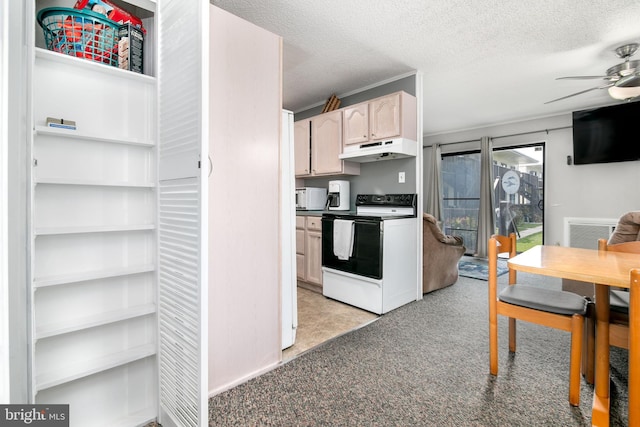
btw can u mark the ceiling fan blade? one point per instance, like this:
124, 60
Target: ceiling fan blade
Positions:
580, 93
583, 77
632, 80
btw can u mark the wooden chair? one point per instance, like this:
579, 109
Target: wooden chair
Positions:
546, 307
618, 315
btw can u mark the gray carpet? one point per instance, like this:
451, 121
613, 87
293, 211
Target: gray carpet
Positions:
424, 364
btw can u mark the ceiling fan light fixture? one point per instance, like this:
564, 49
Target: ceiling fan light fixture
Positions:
624, 93
623, 80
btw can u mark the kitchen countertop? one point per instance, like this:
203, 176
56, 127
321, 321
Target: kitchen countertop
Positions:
319, 213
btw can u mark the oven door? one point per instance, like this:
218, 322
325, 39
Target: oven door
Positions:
366, 259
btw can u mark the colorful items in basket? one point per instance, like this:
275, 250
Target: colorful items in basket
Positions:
111, 11
95, 30
80, 33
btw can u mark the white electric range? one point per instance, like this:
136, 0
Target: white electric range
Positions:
369, 260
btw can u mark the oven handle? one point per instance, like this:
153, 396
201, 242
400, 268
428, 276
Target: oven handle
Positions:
355, 219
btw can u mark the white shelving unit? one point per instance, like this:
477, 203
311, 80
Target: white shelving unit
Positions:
127, 306
93, 234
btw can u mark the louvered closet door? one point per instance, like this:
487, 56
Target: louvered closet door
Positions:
182, 204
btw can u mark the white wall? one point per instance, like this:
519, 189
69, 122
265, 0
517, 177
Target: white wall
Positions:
588, 191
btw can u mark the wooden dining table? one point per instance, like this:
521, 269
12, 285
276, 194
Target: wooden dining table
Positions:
605, 269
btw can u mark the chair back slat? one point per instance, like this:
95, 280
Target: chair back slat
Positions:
505, 244
628, 247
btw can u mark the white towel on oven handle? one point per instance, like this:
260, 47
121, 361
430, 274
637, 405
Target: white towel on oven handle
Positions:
343, 235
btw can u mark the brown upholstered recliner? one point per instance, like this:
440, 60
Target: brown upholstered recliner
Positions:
627, 230
441, 254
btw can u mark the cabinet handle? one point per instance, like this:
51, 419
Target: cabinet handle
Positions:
210, 166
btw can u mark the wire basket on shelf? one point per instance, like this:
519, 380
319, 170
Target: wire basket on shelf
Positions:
80, 33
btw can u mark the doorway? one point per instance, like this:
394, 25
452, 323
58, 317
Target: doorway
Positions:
518, 193
460, 174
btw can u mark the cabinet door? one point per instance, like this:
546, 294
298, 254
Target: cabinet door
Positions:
326, 141
356, 124
313, 257
302, 148
385, 117
300, 242
300, 248
314, 223
183, 209
300, 267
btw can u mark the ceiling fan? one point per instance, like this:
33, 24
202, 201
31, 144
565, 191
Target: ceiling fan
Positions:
623, 80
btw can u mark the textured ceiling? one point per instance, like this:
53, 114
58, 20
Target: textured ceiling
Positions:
483, 61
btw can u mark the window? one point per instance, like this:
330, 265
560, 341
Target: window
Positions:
518, 208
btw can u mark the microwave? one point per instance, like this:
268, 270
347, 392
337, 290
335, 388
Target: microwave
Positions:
311, 198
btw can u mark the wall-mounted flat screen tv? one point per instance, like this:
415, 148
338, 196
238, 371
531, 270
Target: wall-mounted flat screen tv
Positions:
607, 134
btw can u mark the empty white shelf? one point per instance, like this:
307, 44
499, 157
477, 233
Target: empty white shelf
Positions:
41, 282
48, 231
90, 367
136, 419
73, 325
56, 181
47, 55
76, 134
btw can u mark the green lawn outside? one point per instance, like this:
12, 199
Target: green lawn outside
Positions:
528, 242
527, 225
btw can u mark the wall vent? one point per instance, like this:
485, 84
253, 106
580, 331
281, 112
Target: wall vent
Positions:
585, 232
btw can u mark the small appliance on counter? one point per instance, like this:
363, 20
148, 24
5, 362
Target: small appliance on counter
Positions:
338, 198
311, 198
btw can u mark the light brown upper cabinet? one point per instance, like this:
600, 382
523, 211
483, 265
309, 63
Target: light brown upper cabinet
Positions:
324, 145
356, 124
302, 147
389, 116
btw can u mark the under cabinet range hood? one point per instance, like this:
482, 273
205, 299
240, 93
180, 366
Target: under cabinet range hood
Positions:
387, 149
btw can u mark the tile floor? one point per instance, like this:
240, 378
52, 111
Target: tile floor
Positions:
320, 319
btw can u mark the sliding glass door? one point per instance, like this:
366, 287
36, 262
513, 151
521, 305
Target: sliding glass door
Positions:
518, 189
461, 196
519, 193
